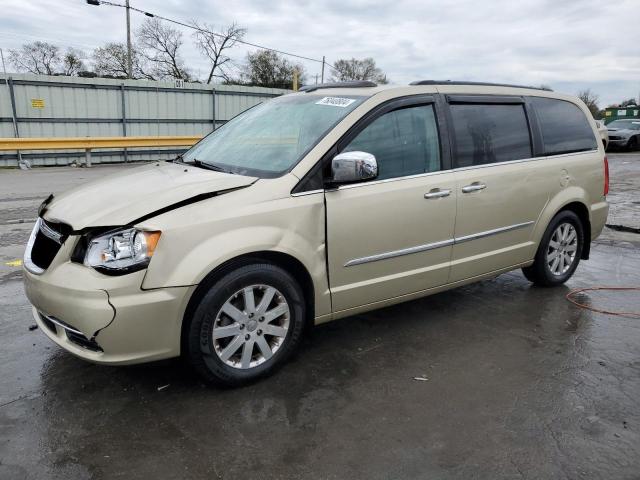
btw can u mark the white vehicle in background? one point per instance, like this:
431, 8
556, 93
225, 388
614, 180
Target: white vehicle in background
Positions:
604, 133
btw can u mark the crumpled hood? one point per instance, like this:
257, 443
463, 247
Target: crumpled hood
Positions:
121, 198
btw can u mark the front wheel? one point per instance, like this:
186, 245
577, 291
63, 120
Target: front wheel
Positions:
559, 252
632, 144
247, 325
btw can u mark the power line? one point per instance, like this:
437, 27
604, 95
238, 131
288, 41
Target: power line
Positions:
203, 30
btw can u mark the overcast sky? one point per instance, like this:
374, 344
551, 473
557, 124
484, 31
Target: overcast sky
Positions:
568, 44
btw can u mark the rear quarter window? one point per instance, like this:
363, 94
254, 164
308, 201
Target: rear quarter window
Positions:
563, 126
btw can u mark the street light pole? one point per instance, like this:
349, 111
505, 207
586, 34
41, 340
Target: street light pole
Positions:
129, 61
128, 8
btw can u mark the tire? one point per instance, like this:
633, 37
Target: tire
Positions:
632, 144
544, 271
240, 326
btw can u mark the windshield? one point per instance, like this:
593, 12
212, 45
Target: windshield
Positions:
625, 124
269, 139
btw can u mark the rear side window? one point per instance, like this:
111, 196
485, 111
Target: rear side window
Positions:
404, 142
490, 133
564, 126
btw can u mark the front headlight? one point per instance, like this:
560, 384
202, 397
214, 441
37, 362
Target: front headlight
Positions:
121, 251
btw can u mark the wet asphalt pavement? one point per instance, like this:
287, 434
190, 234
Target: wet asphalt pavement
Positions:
517, 382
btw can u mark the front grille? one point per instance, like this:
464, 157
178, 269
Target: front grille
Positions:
47, 238
44, 251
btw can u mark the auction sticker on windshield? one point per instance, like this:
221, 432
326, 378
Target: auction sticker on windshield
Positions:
336, 101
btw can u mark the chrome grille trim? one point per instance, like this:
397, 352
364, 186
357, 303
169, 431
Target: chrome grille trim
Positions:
47, 231
61, 324
28, 263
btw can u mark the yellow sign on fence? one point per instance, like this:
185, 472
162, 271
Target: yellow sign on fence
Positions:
37, 103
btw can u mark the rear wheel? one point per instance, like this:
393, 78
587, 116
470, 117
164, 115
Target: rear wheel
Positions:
633, 143
247, 325
559, 252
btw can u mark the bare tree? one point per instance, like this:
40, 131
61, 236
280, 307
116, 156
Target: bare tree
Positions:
266, 68
355, 69
72, 62
41, 58
160, 44
591, 100
213, 46
111, 61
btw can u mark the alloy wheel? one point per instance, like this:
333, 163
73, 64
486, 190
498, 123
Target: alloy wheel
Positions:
251, 326
561, 252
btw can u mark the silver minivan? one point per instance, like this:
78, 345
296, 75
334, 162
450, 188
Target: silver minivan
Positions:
317, 205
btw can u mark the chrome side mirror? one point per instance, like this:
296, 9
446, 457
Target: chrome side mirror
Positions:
348, 167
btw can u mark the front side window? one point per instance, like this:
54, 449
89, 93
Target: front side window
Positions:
564, 127
271, 138
404, 142
490, 133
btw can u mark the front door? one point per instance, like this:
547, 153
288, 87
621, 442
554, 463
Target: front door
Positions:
392, 236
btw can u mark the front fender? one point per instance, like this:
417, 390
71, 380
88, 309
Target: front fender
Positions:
295, 226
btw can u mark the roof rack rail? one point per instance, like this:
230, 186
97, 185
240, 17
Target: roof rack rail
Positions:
485, 84
350, 84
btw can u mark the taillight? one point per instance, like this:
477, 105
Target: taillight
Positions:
606, 176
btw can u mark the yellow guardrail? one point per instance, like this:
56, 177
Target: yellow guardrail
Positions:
89, 143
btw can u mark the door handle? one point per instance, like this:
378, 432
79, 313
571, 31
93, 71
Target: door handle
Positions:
437, 193
474, 187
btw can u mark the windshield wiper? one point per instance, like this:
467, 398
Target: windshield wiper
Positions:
178, 159
210, 166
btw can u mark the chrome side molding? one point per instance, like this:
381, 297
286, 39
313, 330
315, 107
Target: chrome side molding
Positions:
432, 246
399, 253
488, 233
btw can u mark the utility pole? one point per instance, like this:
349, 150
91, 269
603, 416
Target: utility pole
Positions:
14, 120
322, 76
129, 61
127, 8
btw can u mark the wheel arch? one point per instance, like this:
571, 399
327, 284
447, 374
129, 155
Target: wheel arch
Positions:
581, 210
283, 260
575, 205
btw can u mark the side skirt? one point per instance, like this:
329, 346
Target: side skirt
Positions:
415, 295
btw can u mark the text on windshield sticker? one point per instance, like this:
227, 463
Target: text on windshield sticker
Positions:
335, 101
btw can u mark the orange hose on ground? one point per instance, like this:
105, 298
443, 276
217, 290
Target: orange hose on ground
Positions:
607, 312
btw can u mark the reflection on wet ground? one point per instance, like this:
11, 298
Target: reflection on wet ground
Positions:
520, 382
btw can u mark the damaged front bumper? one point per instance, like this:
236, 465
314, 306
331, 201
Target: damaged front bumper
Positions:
103, 319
